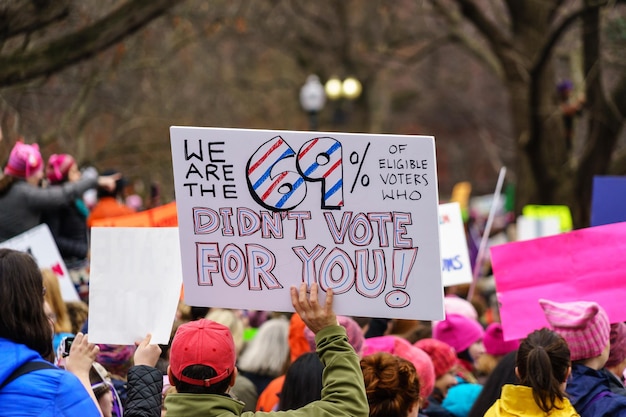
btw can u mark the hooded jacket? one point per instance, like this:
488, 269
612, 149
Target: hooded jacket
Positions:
518, 401
590, 393
41, 393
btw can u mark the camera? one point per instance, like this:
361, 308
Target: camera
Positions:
67, 344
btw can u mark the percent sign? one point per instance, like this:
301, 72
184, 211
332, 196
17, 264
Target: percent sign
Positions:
354, 159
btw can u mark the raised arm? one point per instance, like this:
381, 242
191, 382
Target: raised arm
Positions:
343, 389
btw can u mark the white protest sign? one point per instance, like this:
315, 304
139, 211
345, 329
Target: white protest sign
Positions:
135, 284
260, 211
536, 227
455, 262
40, 243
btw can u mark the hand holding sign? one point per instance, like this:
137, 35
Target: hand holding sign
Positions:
313, 315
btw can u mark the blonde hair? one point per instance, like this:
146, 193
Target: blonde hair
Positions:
229, 319
78, 312
62, 323
268, 352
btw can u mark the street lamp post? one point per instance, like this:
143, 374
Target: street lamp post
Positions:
338, 91
312, 99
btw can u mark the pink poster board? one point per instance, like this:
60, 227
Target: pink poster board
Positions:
586, 264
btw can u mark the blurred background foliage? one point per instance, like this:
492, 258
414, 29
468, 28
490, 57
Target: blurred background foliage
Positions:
104, 80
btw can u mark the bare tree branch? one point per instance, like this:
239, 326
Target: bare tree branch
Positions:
19, 17
82, 44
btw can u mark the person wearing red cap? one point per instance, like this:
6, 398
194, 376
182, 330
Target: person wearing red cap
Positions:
585, 327
202, 366
23, 201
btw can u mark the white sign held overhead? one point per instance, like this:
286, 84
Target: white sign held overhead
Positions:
135, 284
260, 211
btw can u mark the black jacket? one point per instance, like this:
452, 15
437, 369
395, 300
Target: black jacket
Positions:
145, 385
69, 228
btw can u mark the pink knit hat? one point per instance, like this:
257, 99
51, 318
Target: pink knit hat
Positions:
402, 348
442, 354
494, 341
618, 344
24, 161
458, 331
583, 324
58, 167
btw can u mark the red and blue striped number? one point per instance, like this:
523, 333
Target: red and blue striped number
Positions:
273, 179
321, 159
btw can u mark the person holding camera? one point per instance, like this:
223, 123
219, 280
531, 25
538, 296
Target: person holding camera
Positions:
29, 384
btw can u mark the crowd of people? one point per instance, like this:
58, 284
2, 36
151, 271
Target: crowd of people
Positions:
222, 362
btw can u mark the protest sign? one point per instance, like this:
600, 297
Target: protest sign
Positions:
586, 264
608, 202
455, 263
535, 227
536, 211
135, 282
162, 216
260, 211
40, 243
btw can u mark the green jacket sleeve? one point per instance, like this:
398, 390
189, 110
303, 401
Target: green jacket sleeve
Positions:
343, 392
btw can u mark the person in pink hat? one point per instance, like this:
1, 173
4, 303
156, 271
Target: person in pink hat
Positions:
68, 222
495, 349
465, 335
445, 364
21, 198
585, 327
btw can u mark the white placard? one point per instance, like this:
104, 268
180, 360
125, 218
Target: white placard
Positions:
40, 243
536, 227
260, 211
455, 263
135, 284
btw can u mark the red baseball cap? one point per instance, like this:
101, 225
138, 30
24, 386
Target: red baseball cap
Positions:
203, 342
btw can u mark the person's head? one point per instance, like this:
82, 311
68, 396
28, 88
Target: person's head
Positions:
303, 382
267, 353
444, 361
78, 311
391, 384
101, 385
353, 330
585, 327
202, 358
400, 347
22, 316
25, 162
543, 364
464, 334
53, 296
495, 348
617, 352
61, 168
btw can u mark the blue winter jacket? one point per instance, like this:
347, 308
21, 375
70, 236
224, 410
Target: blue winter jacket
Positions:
41, 393
589, 392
